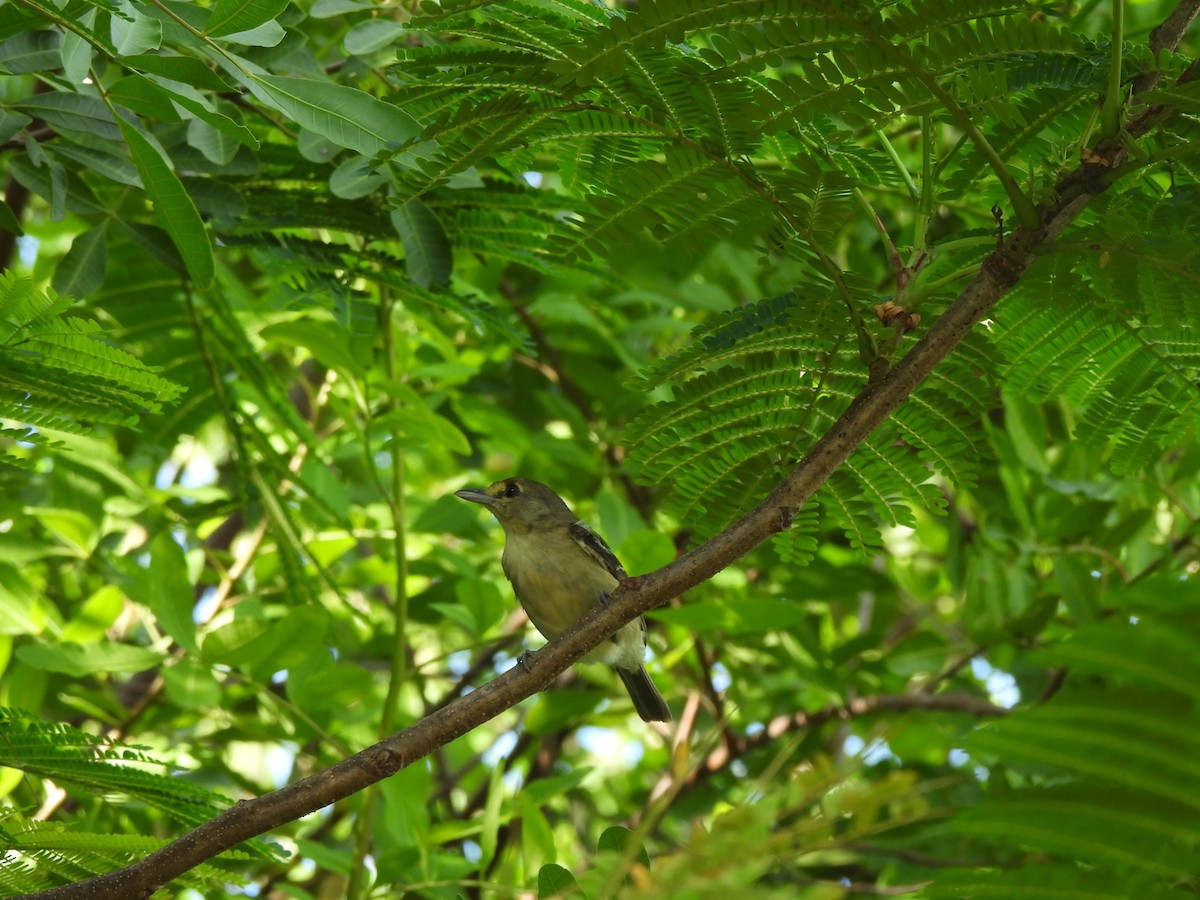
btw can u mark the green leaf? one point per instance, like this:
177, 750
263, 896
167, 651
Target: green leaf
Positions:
76, 113
234, 643
217, 146
216, 199
1136, 740
1025, 427
1080, 590
546, 789
918, 653
220, 122
318, 683
144, 97
76, 51
537, 838
80, 660
644, 550
329, 858
371, 35
616, 839
347, 116
11, 124
163, 586
758, 616
996, 595
95, 616
8, 221
81, 271
326, 9
354, 178
191, 685
79, 377
74, 528
101, 765
1044, 882
324, 340
481, 600
555, 881
103, 159
703, 616
268, 34
30, 51
183, 69
316, 148
235, 16
459, 615
427, 252
263, 648
21, 607
490, 825
406, 812
1090, 824
414, 418
746, 617
1150, 653
135, 34
175, 209
52, 181
323, 483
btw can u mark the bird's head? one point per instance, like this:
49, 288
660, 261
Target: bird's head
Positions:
521, 505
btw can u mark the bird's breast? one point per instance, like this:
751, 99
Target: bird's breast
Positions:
555, 581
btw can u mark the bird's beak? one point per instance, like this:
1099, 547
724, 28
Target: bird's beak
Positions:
475, 495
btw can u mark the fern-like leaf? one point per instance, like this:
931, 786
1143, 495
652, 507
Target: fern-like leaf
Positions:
58, 372
1117, 332
760, 385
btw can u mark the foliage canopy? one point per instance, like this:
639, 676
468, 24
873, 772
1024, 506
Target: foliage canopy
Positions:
293, 272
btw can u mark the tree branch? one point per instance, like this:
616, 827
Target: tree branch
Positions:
1167, 37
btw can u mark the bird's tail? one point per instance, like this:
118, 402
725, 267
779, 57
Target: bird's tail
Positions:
648, 702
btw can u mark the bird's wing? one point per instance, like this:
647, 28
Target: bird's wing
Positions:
593, 545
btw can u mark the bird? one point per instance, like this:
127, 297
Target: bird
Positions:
559, 569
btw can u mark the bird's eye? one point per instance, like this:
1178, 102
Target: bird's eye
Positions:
512, 490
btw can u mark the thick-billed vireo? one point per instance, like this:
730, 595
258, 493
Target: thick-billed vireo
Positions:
559, 569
